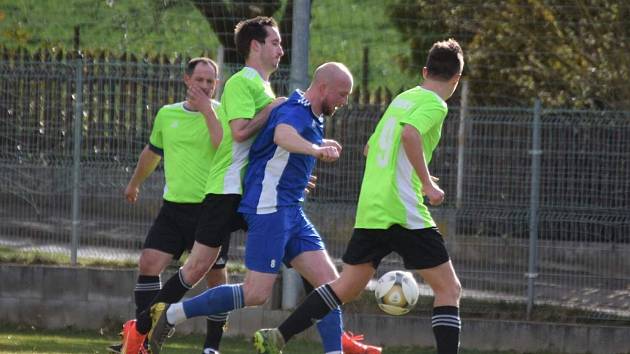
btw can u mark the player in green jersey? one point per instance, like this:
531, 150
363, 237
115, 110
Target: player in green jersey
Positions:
391, 214
185, 135
246, 102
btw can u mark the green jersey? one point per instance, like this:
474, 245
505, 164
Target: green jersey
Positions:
182, 136
391, 192
244, 95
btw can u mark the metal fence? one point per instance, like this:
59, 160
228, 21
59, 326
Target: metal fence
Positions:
71, 130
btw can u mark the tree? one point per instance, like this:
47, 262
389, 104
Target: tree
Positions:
223, 15
568, 53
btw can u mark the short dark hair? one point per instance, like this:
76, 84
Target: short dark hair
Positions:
251, 29
192, 64
445, 60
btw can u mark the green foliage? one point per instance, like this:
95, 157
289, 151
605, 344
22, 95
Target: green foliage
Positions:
569, 54
341, 29
137, 26
12, 255
174, 27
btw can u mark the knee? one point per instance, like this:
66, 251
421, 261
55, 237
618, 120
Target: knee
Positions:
451, 293
148, 265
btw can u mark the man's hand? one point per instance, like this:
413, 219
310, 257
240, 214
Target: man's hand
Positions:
312, 182
333, 143
131, 193
433, 192
326, 153
198, 99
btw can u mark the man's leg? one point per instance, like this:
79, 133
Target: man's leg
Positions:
163, 244
255, 290
327, 297
175, 288
318, 269
350, 342
215, 324
425, 251
446, 321
151, 264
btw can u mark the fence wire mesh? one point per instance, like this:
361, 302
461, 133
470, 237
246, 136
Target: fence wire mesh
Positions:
584, 200
584, 211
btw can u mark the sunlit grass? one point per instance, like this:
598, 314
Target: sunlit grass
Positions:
21, 340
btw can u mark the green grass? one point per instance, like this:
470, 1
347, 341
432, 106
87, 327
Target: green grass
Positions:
20, 340
18, 256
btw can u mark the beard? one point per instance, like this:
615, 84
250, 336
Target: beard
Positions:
328, 109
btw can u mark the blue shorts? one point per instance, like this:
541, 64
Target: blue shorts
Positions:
278, 237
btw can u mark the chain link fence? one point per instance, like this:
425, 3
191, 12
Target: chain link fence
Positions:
71, 129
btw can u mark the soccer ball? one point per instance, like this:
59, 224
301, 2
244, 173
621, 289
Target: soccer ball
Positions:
396, 292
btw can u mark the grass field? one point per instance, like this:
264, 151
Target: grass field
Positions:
28, 340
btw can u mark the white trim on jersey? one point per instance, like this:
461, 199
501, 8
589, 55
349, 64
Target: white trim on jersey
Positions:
232, 180
274, 169
407, 194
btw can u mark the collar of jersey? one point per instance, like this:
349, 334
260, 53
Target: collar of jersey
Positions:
306, 103
253, 72
187, 110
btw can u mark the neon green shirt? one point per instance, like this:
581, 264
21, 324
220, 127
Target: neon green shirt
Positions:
391, 192
244, 95
183, 137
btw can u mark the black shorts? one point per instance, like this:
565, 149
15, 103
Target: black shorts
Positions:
419, 249
174, 229
219, 218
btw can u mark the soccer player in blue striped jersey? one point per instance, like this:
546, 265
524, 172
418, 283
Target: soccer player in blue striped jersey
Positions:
281, 160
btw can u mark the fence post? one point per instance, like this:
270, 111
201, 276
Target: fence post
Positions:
221, 73
534, 203
461, 142
291, 281
76, 159
299, 45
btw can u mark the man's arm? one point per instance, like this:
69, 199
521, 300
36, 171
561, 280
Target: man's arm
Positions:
412, 143
202, 103
289, 139
243, 129
147, 163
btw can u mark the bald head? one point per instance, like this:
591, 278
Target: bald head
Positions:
330, 88
332, 73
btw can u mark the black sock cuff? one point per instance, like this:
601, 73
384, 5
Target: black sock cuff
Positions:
328, 295
446, 310
181, 279
446, 317
148, 283
219, 317
148, 278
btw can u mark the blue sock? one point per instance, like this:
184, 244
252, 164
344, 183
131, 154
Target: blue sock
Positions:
330, 330
223, 298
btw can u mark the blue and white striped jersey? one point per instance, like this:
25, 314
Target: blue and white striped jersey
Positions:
276, 178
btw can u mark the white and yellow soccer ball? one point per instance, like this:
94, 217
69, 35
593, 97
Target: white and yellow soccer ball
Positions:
396, 292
